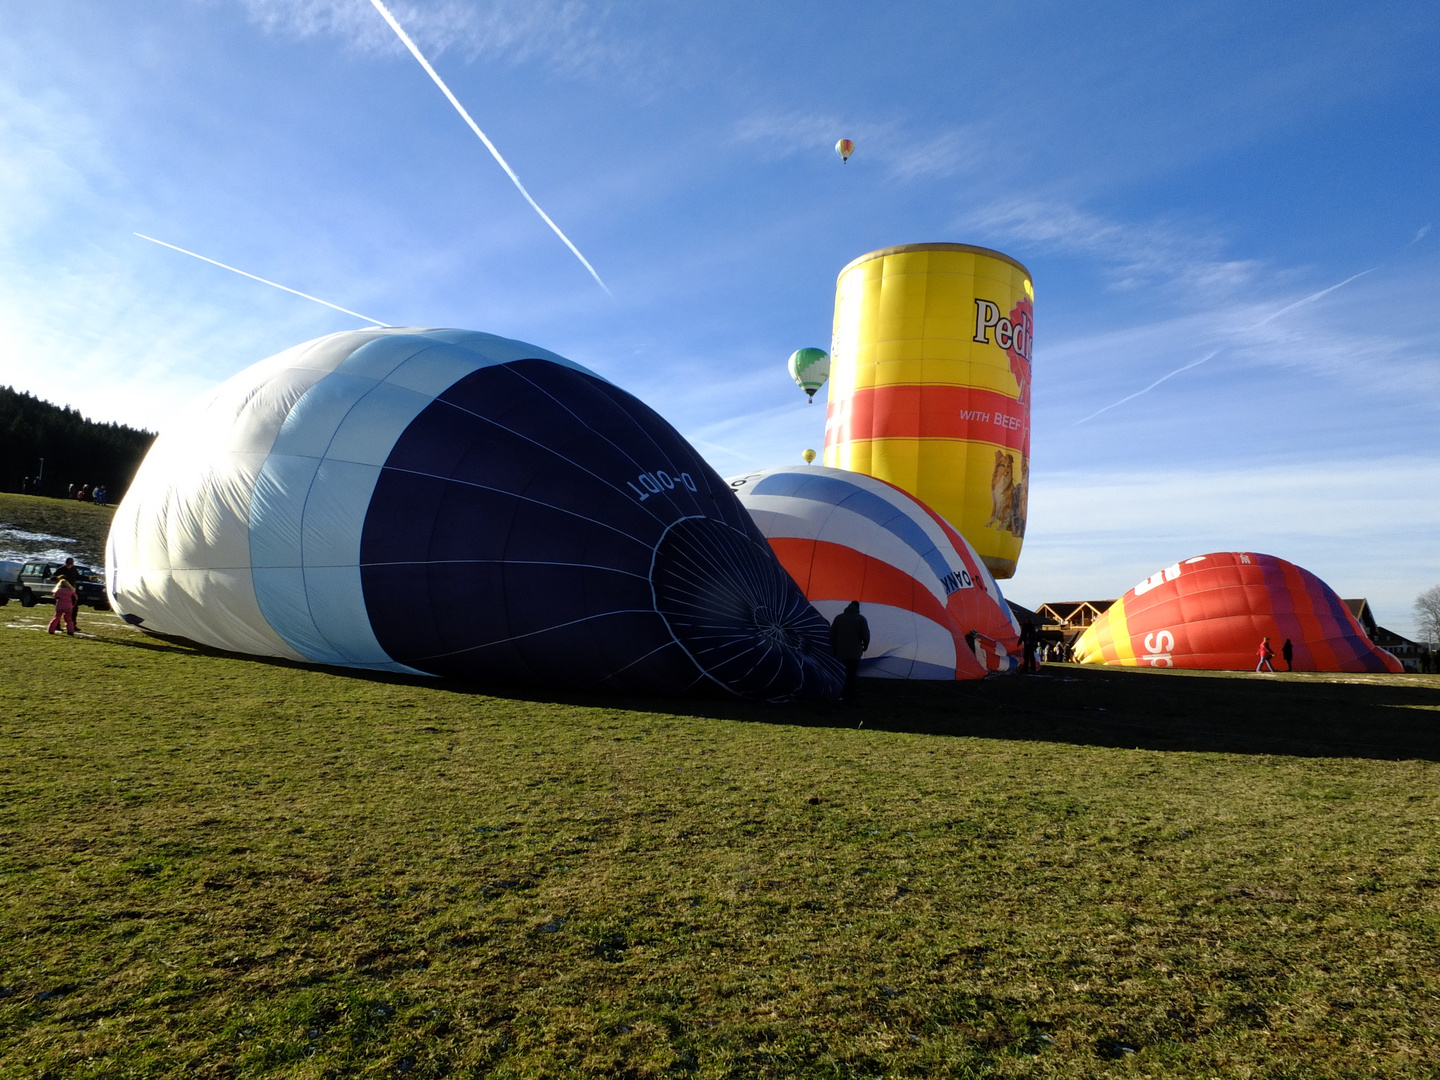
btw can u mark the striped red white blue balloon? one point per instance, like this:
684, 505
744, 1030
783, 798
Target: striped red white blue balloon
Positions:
844, 536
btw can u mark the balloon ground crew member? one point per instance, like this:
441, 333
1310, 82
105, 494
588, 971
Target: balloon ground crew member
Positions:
850, 637
1265, 652
1029, 638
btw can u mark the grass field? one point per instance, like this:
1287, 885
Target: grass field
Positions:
218, 866
85, 523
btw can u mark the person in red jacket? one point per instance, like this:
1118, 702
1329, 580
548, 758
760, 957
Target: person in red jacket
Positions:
66, 601
1265, 652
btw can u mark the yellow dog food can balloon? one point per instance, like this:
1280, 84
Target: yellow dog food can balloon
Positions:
930, 385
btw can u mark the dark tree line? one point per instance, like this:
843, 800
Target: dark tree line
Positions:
76, 451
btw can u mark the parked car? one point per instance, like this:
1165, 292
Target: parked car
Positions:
9, 580
36, 582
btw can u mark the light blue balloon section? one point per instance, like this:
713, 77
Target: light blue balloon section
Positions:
309, 503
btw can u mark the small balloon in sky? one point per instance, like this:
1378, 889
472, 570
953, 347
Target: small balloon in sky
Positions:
845, 147
809, 456
809, 368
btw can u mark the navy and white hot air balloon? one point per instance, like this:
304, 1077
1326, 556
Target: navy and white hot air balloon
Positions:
845, 536
458, 504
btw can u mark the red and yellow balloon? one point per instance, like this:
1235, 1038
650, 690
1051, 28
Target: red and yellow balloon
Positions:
1213, 610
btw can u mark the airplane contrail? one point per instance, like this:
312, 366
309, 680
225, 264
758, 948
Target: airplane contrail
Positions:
415, 52
1311, 298
1419, 236
1254, 326
1157, 382
265, 281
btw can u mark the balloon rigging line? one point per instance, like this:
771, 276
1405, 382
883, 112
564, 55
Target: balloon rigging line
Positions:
415, 52
1211, 355
265, 281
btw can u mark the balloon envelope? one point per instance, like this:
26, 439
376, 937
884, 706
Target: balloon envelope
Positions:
809, 368
930, 385
844, 536
458, 504
1211, 612
845, 147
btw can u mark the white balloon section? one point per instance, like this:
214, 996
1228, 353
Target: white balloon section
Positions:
463, 505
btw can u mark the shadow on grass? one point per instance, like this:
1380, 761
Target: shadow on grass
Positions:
1306, 714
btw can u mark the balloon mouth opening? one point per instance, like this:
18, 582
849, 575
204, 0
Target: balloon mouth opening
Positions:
739, 616
770, 628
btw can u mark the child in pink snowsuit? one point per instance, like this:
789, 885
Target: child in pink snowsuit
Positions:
66, 601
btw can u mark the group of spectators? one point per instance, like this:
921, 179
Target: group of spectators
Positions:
92, 493
85, 493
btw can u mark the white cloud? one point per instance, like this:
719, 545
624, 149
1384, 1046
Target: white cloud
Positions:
950, 153
564, 33
1136, 256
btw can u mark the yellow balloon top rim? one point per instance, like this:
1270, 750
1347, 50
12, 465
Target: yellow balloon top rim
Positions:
938, 246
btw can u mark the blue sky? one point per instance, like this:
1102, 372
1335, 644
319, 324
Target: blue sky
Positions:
1182, 180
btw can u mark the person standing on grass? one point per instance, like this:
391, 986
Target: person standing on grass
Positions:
67, 600
1288, 652
850, 637
1029, 638
1265, 652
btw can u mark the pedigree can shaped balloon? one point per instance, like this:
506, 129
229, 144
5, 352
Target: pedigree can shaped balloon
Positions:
1213, 611
457, 504
934, 610
930, 385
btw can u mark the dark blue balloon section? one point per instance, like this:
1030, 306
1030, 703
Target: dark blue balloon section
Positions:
536, 524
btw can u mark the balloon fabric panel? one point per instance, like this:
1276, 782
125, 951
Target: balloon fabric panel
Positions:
541, 459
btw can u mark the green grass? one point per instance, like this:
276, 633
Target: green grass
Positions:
219, 866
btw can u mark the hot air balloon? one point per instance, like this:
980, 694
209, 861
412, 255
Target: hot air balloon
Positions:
931, 386
1211, 612
844, 148
808, 456
843, 536
809, 368
457, 504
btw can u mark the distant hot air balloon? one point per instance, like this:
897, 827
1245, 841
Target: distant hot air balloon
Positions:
845, 147
808, 455
931, 387
809, 368
843, 536
1211, 611
463, 505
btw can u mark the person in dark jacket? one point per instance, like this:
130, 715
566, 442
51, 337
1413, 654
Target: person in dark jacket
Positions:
850, 637
1029, 638
1288, 652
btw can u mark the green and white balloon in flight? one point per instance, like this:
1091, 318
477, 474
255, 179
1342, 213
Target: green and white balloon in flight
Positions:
810, 368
